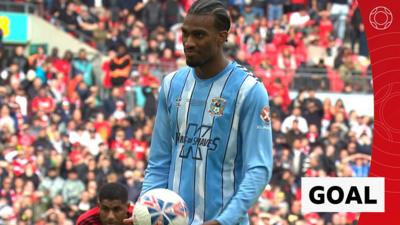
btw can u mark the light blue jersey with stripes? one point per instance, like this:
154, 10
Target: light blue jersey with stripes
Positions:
212, 143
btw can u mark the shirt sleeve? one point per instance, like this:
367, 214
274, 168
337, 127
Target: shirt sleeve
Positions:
157, 171
256, 143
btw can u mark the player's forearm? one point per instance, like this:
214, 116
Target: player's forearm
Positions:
159, 160
160, 151
155, 178
250, 189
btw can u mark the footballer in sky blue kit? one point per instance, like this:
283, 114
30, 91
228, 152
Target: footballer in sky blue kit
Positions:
212, 139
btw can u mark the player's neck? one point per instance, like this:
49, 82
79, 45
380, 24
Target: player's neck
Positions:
212, 68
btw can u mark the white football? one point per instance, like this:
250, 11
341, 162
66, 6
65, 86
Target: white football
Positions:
161, 205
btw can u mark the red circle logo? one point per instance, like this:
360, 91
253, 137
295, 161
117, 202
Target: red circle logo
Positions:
380, 18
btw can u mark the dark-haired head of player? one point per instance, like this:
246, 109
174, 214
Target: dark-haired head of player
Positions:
205, 29
113, 204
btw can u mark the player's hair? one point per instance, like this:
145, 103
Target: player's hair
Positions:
215, 8
113, 191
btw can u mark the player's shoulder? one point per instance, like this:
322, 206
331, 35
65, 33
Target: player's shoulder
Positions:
90, 217
244, 72
250, 83
178, 73
177, 76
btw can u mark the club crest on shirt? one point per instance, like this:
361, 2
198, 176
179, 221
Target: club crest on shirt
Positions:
265, 115
217, 106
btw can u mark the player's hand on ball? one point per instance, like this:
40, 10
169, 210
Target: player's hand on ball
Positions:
134, 221
130, 221
212, 222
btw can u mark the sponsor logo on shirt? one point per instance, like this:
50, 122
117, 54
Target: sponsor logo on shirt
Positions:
196, 137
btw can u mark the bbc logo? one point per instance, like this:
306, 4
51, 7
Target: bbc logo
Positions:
342, 194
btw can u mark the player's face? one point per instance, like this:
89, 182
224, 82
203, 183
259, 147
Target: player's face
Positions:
201, 39
113, 212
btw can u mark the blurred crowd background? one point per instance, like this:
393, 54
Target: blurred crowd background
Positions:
65, 130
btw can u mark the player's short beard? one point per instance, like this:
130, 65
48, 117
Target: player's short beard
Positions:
193, 63
197, 63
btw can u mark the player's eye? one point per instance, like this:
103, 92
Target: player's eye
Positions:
199, 35
116, 209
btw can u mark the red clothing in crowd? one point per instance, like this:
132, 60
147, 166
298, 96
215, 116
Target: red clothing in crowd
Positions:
186, 4
280, 90
119, 147
299, 2
72, 85
149, 80
21, 164
8, 194
45, 104
139, 147
325, 29
25, 139
107, 75
64, 67
37, 59
312, 137
76, 156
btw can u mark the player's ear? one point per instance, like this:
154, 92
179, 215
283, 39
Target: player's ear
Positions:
222, 37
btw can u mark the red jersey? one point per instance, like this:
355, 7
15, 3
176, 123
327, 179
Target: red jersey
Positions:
64, 67
325, 29
20, 165
45, 104
119, 147
92, 216
139, 147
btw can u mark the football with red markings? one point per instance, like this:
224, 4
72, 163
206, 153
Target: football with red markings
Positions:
161, 207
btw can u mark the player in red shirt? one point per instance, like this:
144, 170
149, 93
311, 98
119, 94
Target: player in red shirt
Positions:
113, 207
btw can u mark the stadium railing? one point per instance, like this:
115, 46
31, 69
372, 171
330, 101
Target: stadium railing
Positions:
22, 7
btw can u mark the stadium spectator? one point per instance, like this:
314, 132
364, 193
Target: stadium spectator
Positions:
120, 67
275, 9
82, 67
86, 22
295, 118
19, 59
52, 184
299, 18
339, 10
153, 15
68, 16
72, 188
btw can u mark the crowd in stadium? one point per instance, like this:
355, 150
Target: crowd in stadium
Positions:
61, 140
276, 38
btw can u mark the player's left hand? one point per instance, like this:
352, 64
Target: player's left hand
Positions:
212, 222
130, 221
133, 221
